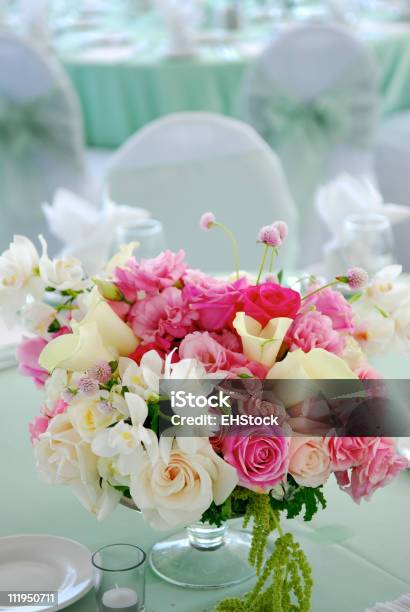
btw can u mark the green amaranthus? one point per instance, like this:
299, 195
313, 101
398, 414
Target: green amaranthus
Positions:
284, 581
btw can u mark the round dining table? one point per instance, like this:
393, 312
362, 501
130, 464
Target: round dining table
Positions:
360, 554
125, 76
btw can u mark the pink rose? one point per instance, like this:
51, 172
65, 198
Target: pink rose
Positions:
260, 458
346, 452
314, 330
215, 357
37, 427
335, 306
309, 461
150, 275
216, 302
162, 318
270, 301
381, 464
28, 354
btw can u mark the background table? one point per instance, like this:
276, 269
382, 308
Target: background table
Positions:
125, 79
360, 554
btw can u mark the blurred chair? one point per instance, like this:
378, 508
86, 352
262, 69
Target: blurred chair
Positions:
392, 161
185, 164
41, 137
313, 96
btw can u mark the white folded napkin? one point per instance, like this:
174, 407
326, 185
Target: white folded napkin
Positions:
182, 18
400, 605
348, 195
86, 230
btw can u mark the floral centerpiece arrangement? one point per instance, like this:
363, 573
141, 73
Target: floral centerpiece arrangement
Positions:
100, 346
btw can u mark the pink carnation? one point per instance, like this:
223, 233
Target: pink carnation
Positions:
162, 318
380, 465
216, 302
335, 306
150, 275
37, 427
314, 330
260, 458
228, 339
215, 357
28, 354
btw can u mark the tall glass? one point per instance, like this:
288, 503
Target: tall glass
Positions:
367, 241
119, 578
147, 232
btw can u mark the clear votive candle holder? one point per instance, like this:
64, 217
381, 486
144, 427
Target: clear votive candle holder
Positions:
119, 578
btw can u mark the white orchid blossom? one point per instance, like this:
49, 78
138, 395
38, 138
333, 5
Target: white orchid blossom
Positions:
142, 379
62, 274
19, 277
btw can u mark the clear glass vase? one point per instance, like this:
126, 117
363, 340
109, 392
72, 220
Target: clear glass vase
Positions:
203, 556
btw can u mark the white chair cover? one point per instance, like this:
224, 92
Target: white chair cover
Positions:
41, 142
185, 164
312, 95
392, 162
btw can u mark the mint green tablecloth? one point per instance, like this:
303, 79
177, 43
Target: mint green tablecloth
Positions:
121, 90
359, 554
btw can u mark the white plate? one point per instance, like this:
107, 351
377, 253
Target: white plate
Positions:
45, 563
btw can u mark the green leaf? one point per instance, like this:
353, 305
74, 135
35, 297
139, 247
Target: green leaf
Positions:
354, 298
122, 489
217, 515
384, 314
113, 365
280, 276
153, 414
297, 499
54, 327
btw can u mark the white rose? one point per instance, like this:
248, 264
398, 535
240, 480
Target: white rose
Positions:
99, 499
178, 488
309, 461
18, 277
62, 456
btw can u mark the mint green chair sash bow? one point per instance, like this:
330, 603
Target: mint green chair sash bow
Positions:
20, 127
305, 132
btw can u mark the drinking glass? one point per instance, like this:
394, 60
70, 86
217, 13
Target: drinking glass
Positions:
119, 578
147, 232
367, 241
